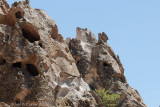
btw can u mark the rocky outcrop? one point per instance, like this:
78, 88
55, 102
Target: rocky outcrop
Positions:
36, 66
39, 68
101, 68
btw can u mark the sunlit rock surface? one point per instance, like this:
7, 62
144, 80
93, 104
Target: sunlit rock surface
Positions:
36, 66
101, 68
39, 68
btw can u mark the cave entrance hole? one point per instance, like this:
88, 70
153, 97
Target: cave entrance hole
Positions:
30, 33
105, 64
32, 70
18, 15
17, 101
17, 65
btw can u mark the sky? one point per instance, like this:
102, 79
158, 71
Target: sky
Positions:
133, 28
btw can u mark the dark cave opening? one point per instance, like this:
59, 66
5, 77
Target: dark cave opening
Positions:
30, 36
17, 101
40, 44
105, 64
18, 15
17, 65
30, 32
106, 67
32, 70
92, 87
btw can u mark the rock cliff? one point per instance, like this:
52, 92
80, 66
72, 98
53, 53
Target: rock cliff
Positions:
101, 68
39, 68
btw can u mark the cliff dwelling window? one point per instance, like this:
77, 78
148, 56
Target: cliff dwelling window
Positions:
18, 15
30, 33
17, 65
32, 70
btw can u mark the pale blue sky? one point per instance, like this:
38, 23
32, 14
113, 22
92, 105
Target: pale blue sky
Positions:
133, 27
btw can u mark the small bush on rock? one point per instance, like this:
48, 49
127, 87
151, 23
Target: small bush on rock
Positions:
107, 99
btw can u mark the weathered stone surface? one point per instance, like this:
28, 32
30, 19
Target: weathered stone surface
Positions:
102, 37
39, 68
36, 66
101, 68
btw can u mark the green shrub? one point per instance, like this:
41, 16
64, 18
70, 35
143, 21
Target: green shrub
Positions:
107, 99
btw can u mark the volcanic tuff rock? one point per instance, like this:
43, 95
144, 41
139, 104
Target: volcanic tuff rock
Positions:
38, 67
101, 68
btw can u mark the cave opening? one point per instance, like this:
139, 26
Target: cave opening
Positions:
17, 65
40, 44
105, 67
30, 36
92, 87
105, 64
30, 32
18, 15
17, 101
32, 70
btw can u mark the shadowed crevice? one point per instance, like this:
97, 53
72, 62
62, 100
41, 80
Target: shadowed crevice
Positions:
32, 70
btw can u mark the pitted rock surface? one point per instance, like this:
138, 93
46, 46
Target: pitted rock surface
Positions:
38, 67
101, 68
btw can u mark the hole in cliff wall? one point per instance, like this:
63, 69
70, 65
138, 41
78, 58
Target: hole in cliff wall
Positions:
40, 44
17, 65
32, 70
92, 87
105, 64
107, 68
30, 33
17, 101
18, 15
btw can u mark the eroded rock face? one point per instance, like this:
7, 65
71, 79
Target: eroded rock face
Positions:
101, 68
36, 66
39, 68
